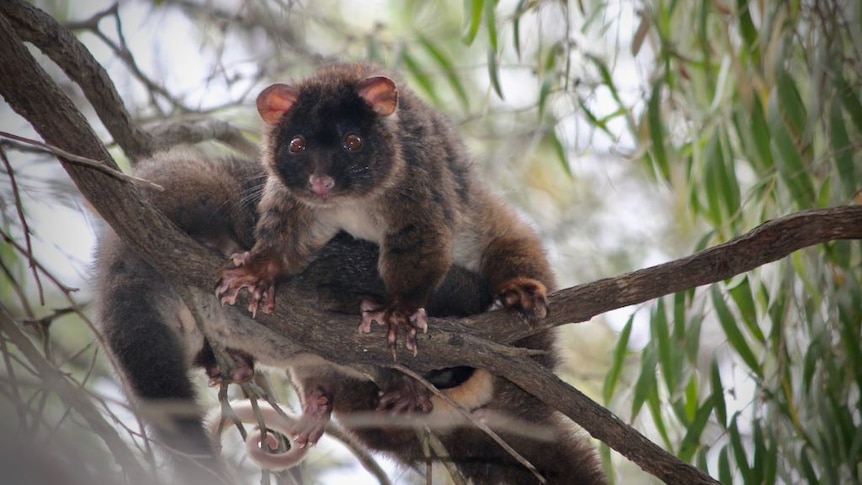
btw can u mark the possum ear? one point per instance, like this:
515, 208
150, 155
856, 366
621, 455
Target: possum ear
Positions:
274, 101
380, 93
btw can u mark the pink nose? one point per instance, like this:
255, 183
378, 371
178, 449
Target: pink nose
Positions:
321, 184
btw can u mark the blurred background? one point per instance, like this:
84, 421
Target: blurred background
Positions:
628, 132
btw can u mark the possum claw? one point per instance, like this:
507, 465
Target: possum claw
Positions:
394, 318
256, 275
526, 296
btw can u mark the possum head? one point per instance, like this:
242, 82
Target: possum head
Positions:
333, 137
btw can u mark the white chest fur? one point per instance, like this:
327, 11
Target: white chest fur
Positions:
357, 219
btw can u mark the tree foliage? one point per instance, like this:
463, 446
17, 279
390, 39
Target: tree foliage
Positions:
708, 117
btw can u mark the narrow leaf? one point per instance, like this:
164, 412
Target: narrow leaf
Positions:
656, 131
739, 453
724, 474
733, 333
691, 441
787, 154
494, 72
559, 151
472, 18
718, 394
491, 23
618, 359
849, 99
445, 63
661, 335
792, 108
842, 149
646, 382
421, 77
741, 294
807, 469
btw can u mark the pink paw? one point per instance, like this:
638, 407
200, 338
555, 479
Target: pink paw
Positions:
257, 275
394, 317
527, 296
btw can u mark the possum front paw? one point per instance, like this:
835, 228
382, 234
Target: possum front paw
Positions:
257, 275
527, 296
394, 316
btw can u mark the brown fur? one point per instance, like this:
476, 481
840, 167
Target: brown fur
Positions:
410, 187
149, 330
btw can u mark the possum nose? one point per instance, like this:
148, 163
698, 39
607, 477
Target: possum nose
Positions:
321, 184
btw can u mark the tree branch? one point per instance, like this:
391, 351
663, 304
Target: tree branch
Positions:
31, 93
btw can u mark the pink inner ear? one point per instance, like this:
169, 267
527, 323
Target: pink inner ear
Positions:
380, 93
274, 101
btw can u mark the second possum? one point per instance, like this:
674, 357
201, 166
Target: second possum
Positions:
352, 149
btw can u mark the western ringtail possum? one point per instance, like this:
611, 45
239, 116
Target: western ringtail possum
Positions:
149, 329
352, 149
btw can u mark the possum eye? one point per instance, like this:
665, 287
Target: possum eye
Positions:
352, 142
297, 144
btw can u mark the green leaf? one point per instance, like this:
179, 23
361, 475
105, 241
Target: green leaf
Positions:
691, 395
646, 382
494, 72
421, 77
748, 30
842, 149
722, 188
718, 394
592, 118
491, 23
656, 132
724, 474
792, 109
656, 406
770, 461
813, 354
741, 294
788, 158
516, 28
608, 81
760, 132
679, 307
544, 91
472, 19
739, 453
807, 469
849, 99
692, 339
445, 63
733, 333
757, 467
691, 441
618, 359
559, 151
661, 335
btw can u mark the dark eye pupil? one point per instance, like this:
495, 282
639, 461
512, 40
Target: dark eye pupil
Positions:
296, 145
352, 142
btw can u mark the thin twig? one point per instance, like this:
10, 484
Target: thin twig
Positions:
87, 162
467, 414
19, 208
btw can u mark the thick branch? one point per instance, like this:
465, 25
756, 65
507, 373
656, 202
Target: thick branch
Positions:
768, 242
